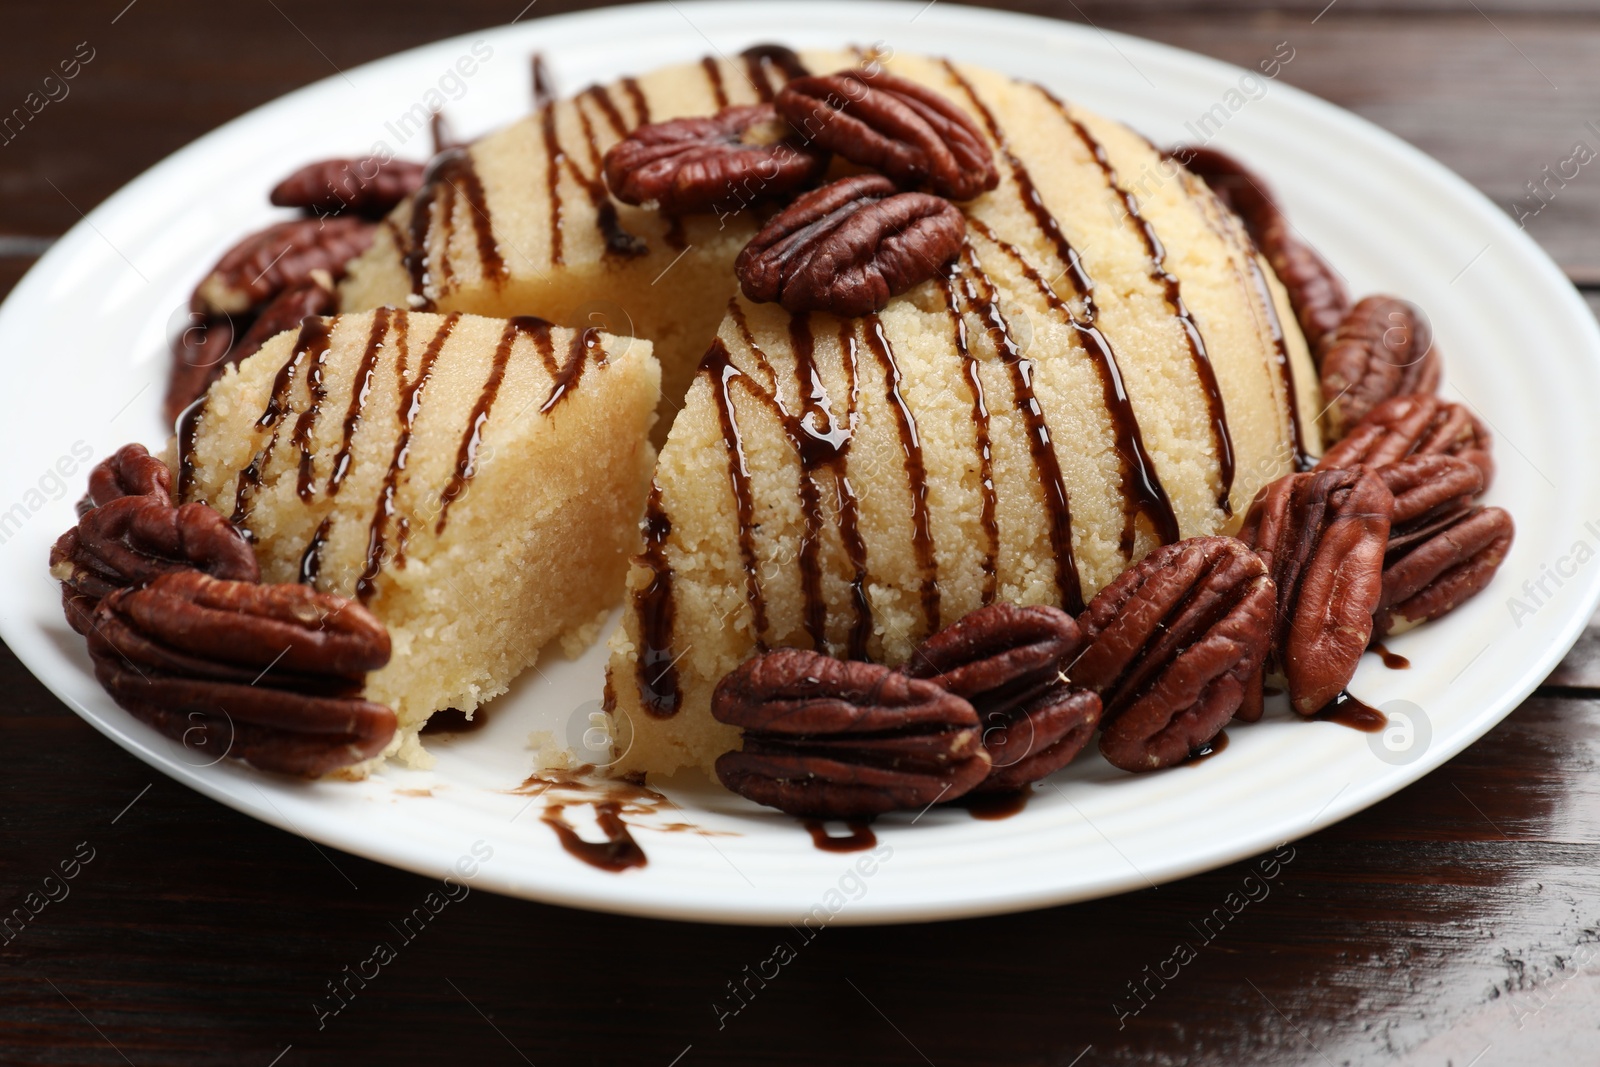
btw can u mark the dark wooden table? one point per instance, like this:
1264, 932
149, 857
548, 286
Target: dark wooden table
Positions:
1455, 923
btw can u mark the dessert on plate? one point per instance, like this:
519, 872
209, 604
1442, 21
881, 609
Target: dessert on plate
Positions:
972, 448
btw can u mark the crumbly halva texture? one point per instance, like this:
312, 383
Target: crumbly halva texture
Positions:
1020, 429
475, 482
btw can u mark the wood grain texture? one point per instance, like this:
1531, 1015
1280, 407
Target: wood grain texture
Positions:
1458, 916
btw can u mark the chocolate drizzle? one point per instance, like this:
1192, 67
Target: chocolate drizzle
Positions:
1156, 253
1052, 485
718, 366
543, 91
311, 558
641, 106
552, 179
1346, 710
305, 426
450, 175
980, 440
1142, 488
820, 443
714, 76
759, 58
313, 342
584, 344
188, 434
1303, 460
859, 839
653, 604
472, 438
618, 851
409, 407
916, 470
360, 390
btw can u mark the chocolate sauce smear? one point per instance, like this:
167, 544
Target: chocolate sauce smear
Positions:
617, 851
859, 839
1346, 710
993, 806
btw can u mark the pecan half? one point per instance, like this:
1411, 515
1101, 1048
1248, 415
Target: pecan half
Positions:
1315, 291
370, 187
1383, 348
833, 738
273, 673
198, 355
266, 263
131, 533
1172, 642
313, 295
911, 133
1322, 535
849, 247
129, 471
722, 163
1413, 425
1429, 485
1439, 566
1008, 662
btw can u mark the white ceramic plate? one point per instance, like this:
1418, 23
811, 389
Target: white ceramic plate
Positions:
83, 343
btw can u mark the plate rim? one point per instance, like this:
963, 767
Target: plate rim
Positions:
574, 891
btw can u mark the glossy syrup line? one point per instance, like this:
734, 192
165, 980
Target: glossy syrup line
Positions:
188, 435
1156, 254
718, 366
855, 546
305, 426
462, 175
312, 341
1142, 490
618, 241
553, 156
657, 671
980, 441
1302, 459
311, 558
434, 198
758, 58
410, 404
1041, 446
583, 347
360, 390
608, 107
916, 470
641, 106
1140, 477
543, 89
818, 444
714, 75
467, 453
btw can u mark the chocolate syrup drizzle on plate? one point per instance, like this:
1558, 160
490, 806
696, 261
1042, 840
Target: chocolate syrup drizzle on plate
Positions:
991, 807
1393, 660
1346, 710
859, 839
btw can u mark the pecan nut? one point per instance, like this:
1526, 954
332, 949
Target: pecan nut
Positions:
1428, 486
1413, 425
1172, 642
721, 163
313, 295
1322, 535
850, 246
370, 187
131, 540
1037, 737
904, 130
1439, 566
833, 738
266, 263
1383, 348
1008, 661
274, 672
1315, 291
129, 471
